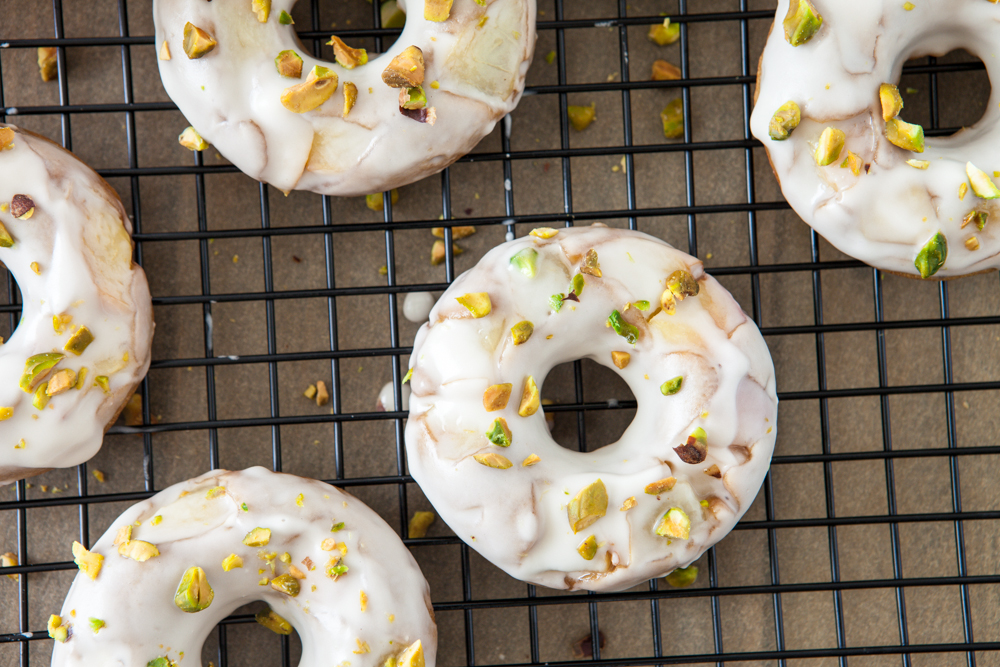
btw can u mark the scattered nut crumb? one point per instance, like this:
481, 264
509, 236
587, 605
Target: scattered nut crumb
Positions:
310, 392
322, 395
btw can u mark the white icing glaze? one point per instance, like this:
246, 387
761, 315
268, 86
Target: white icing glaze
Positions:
885, 216
136, 600
517, 517
386, 398
417, 306
79, 236
232, 95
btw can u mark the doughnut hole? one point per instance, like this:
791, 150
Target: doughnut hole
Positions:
250, 643
600, 384
970, 84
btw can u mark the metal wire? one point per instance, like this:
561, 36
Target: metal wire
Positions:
635, 215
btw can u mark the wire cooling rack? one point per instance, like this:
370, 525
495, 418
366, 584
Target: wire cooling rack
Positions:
872, 539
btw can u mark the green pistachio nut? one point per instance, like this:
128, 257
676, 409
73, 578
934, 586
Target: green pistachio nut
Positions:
831, 143
588, 548
641, 305
682, 577
932, 256
492, 460
499, 433
578, 283
96, 624
675, 523
273, 622
56, 629
194, 593
79, 341
673, 119
682, 284
262, 8
376, 203
526, 261
287, 584
982, 185
907, 136
587, 506
801, 22
664, 33
197, 43
258, 537
627, 331
37, 368
671, 387
284, 18
556, 302
419, 523
521, 332
477, 303
318, 87
892, 101
289, 64
6, 240
581, 117
784, 121
40, 398
412, 98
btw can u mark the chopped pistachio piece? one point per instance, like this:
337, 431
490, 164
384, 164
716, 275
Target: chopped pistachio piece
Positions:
521, 332
629, 503
830, 145
56, 629
79, 341
310, 392
191, 140
458, 232
289, 64
215, 492
96, 624
412, 656
89, 562
932, 256
438, 253
530, 460
543, 232
6, 240
6, 413
587, 506
6, 139
556, 302
419, 523
22, 207
40, 398
138, 550
262, 8
620, 359
477, 303
892, 101
853, 161
284, 18
591, 266
258, 537
194, 593
48, 63
60, 381
673, 119
978, 217
525, 261
499, 433
350, 97
437, 10
682, 284
530, 398
972, 243
660, 486
672, 386
406, 70
682, 577
664, 71
588, 548
231, 562
784, 121
345, 56
103, 382
165, 50
675, 523
197, 42
695, 449
664, 33
627, 331
37, 368
801, 22
81, 378
641, 305
318, 87
375, 202
905, 135
9, 559
492, 460
408, 376
287, 584
581, 117
273, 622
982, 185
577, 285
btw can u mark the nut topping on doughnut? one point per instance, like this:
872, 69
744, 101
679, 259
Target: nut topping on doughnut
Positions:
672, 386
6, 139
543, 232
801, 22
629, 503
656, 488
477, 303
589, 505
695, 449
262, 8
499, 433
982, 185
831, 143
437, 10
258, 537
675, 523
345, 56
630, 332
287, 584
289, 64
620, 359
22, 207
273, 622
138, 550
530, 460
89, 562
525, 261
853, 162
784, 121
406, 70
682, 284
412, 98
197, 42
194, 593
588, 548
496, 396
932, 256
60, 382
972, 243
592, 267
79, 341
892, 101
37, 368
492, 460
191, 140
521, 332
530, 398
350, 97
165, 51
231, 562
907, 136
318, 87
978, 217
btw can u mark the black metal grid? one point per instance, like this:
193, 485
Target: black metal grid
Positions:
970, 646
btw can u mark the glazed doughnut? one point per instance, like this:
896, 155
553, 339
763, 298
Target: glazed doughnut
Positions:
83, 343
170, 568
681, 475
880, 199
472, 72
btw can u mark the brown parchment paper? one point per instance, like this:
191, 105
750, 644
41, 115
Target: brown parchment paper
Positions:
804, 491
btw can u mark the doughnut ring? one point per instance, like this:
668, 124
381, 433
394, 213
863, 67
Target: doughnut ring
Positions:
83, 342
171, 567
353, 127
829, 114
681, 475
